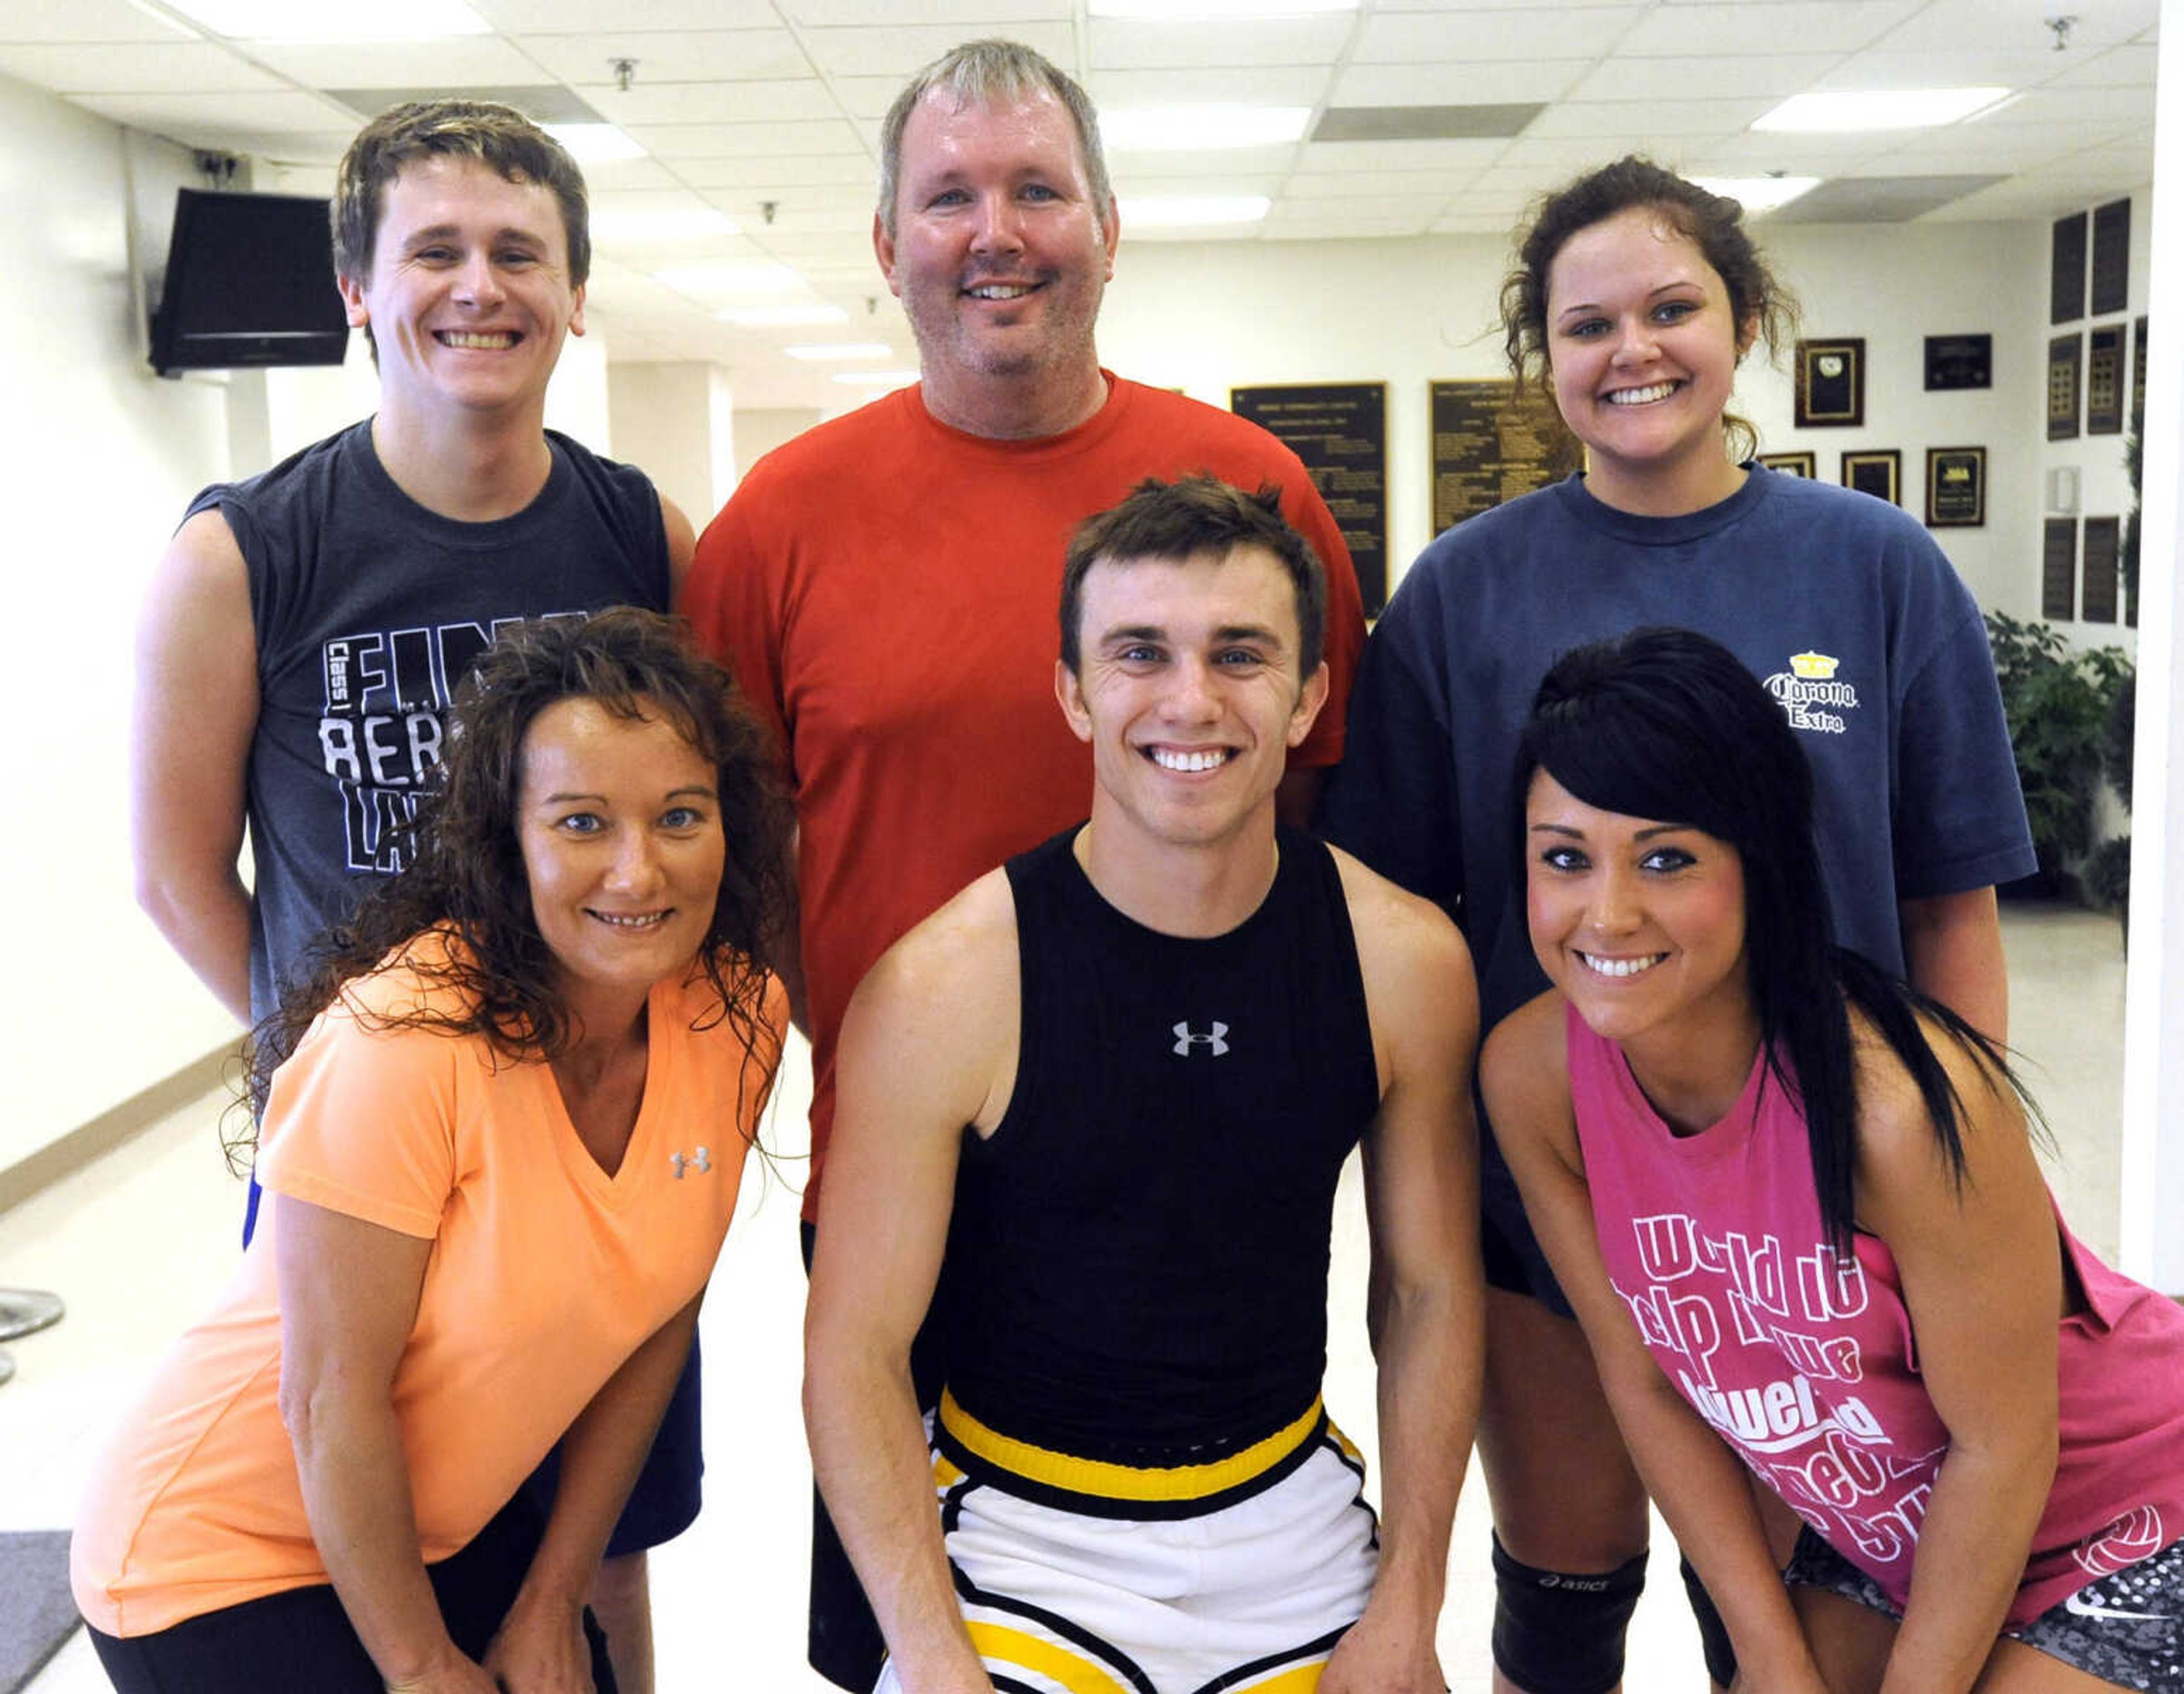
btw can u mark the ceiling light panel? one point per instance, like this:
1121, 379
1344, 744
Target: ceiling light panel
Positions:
867, 350
594, 143
1759, 194
134, 68
1876, 109
1210, 9
642, 226
798, 314
876, 379
333, 21
729, 278
1197, 128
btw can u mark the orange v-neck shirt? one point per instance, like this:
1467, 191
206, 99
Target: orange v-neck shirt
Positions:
545, 1275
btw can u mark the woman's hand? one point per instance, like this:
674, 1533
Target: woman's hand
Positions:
454, 1673
542, 1648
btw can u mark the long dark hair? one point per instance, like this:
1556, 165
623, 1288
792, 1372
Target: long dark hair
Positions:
466, 876
1666, 724
1712, 223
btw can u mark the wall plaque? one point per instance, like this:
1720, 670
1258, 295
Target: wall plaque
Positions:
1878, 471
1831, 383
2105, 381
1960, 361
2138, 377
1493, 442
2059, 564
2111, 257
1340, 432
2104, 556
2066, 269
2066, 354
1956, 487
1792, 463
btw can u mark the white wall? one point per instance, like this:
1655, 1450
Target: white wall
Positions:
663, 424
1205, 317
101, 458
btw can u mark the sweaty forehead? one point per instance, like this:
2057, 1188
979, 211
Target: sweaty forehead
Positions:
1244, 588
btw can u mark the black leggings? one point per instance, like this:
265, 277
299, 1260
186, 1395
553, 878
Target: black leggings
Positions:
302, 1639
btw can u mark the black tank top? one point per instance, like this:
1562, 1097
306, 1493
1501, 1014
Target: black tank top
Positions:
1138, 1266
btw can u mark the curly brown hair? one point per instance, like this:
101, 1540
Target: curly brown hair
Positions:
1712, 223
466, 876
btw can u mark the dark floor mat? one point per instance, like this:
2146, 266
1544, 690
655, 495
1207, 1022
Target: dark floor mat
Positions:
37, 1614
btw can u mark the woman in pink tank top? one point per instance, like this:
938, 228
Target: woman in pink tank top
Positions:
1796, 1207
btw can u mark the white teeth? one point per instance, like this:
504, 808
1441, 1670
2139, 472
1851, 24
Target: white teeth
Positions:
1621, 967
473, 339
638, 920
1640, 397
1203, 760
999, 291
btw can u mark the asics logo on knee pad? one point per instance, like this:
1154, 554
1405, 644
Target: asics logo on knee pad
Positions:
1217, 1043
1575, 1584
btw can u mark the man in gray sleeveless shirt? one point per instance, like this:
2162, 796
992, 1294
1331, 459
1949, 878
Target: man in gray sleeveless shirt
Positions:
306, 629
1127, 1068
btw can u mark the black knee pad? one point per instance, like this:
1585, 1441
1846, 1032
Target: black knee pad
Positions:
1713, 1634
1561, 1634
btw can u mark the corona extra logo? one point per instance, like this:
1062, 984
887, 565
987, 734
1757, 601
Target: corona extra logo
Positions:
1817, 666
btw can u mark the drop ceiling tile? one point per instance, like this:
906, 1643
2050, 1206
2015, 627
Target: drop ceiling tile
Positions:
669, 55
1192, 232
1344, 226
197, 120
867, 96
461, 62
1886, 67
629, 173
1572, 155
1945, 25
1359, 185
1728, 77
982, 16
582, 17
676, 141
2130, 66
58, 21
1470, 221
1138, 44
1612, 118
1464, 36
1487, 83
795, 171
2072, 106
898, 50
651, 105
1740, 27
1259, 85
1129, 185
1243, 161
136, 68
1400, 156
1420, 208
1758, 152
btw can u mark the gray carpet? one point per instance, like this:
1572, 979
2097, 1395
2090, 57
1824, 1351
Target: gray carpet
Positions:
36, 1614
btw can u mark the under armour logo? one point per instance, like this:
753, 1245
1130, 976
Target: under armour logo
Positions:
701, 1164
1185, 1040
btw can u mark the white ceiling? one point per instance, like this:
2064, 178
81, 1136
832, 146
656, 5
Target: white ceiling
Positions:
746, 103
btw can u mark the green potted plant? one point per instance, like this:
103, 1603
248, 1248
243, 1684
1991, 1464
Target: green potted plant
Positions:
2056, 699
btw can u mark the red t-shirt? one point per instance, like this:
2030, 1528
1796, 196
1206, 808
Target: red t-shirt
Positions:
886, 590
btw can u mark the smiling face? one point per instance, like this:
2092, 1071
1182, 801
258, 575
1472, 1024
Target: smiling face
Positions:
1642, 348
999, 253
1188, 691
620, 827
469, 296
1640, 923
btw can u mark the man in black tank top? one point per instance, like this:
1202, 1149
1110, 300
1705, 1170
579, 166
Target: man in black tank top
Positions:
1117, 1081
306, 630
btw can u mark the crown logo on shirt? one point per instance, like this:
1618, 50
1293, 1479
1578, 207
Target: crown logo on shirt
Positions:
1814, 667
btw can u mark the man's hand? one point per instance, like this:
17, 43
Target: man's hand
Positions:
452, 1674
1379, 1657
541, 1649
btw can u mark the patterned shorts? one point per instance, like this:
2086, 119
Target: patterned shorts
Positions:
2126, 1628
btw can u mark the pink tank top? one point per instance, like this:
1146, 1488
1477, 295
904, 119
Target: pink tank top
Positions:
1806, 1365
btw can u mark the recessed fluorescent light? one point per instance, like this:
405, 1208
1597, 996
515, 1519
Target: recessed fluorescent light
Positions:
638, 224
1173, 211
1176, 129
1891, 108
1757, 194
781, 317
876, 379
1182, 11
745, 277
841, 349
333, 22
593, 143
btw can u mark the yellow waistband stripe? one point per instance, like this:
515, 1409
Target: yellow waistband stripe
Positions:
1078, 1675
1108, 1482
1299, 1679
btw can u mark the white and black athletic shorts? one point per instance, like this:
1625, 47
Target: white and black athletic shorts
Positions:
1079, 1577
2126, 1628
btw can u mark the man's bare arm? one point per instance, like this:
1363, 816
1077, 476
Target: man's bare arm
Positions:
195, 712
1422, 1203
927, 1048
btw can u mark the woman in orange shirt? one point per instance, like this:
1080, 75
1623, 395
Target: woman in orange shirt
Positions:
503, 1122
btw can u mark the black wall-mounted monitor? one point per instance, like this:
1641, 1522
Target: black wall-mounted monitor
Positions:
250, 281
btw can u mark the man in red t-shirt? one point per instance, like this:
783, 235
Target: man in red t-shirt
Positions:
884, 585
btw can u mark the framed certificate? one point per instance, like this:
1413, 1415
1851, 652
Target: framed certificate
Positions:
1831, 383
2066, 361
1878, 471
1792, 463
1956, 487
